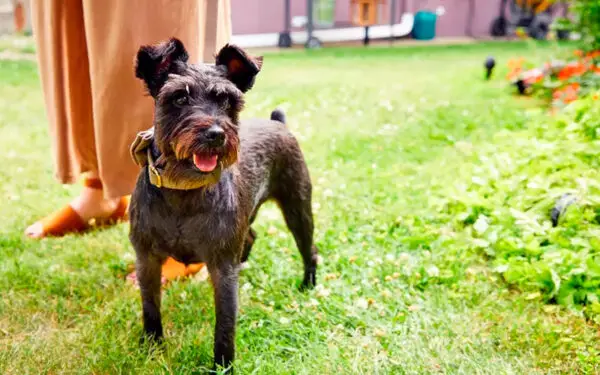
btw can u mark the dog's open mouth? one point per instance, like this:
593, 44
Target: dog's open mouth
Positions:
206, 161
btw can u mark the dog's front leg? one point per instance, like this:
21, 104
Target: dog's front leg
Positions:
148, 268
225, 282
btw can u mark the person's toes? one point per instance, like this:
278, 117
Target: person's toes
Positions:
35, 230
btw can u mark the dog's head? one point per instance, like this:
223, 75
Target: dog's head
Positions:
196, 106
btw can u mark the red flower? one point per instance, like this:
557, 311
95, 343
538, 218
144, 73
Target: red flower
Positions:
573, 69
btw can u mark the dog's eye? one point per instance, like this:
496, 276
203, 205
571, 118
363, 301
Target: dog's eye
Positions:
225, 103
181, 99
220, 98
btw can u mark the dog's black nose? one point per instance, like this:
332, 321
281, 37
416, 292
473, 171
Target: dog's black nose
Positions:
215, 135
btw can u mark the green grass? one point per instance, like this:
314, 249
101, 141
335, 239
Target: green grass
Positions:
402, 289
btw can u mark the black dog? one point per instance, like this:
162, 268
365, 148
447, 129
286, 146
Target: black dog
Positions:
205, 176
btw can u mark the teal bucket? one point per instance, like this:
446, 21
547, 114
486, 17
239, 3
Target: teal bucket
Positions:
424, 26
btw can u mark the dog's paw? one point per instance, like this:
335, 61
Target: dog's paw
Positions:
309, 282
218, 369
152, 342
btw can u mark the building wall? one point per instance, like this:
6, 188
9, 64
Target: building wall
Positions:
266, 16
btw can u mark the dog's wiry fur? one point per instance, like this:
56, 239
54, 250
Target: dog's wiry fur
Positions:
258, 160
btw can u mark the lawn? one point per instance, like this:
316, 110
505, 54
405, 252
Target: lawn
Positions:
395, 138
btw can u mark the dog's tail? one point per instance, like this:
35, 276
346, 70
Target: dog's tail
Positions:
278, 115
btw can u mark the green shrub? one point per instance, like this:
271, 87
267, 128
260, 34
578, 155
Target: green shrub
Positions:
585, 21
525, 173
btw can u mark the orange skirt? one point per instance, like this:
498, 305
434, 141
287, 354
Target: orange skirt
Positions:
94, 103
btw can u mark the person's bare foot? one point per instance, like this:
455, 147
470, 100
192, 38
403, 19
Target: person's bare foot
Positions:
90, 204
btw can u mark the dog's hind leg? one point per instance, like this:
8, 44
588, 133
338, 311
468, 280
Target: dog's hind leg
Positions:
297, 212
248, 242
148, 269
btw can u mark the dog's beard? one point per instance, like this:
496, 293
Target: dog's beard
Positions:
187, 158
187, 143
191, 162
204, 158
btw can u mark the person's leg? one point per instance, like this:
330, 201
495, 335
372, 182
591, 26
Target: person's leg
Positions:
64, 71
216, 31
115, 30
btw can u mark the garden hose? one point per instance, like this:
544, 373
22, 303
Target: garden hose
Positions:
560, 207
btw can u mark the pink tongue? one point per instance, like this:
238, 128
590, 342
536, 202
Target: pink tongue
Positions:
205, 162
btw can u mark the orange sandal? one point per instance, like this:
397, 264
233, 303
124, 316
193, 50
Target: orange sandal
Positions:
67, 220
171, 270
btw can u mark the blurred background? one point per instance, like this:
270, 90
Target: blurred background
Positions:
269, 23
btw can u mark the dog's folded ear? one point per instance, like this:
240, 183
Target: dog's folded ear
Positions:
241, 67
154, 63
139, 147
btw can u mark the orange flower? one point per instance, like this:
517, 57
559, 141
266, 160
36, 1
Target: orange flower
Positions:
534, 79
533, 76
578, 53
573, 69
593, 54
567, 94
571, 92
516, 63
595, 96
513, 74
571, 97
